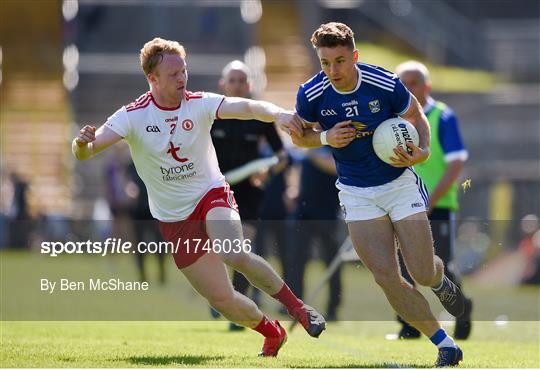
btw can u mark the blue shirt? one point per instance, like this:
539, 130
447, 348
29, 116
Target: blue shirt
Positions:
378, 96
449, 134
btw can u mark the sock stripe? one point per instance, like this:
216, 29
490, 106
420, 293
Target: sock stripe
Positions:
438, 287
438, 337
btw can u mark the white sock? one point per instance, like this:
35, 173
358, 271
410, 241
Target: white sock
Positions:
447, 342
438, 287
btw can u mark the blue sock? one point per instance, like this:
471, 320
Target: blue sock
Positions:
441, 339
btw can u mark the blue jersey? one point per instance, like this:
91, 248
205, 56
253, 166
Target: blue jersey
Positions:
378, 96
449, 134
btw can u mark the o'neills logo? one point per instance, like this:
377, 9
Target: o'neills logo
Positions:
175, 173
406, 136
351, 103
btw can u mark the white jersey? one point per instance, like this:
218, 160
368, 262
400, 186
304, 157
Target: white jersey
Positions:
172, 150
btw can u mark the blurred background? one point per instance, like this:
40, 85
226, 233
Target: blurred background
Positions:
66, 63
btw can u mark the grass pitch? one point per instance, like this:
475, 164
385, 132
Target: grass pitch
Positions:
210, 344
505, 335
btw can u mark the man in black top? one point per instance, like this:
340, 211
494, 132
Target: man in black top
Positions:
228, 136
316, 217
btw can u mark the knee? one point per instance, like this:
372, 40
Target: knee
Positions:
237, 261
386, 279
424, 277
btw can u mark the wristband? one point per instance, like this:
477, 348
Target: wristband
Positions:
323, 138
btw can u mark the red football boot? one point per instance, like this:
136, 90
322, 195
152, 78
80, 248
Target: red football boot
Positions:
273, 344
311, 320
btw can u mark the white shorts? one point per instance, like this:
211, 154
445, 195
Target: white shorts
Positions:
400, 198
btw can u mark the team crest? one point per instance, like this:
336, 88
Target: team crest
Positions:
187, 124
374, 106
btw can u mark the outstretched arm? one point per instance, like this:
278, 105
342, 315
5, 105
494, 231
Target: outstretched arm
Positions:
337, 137
90, 141
240, 108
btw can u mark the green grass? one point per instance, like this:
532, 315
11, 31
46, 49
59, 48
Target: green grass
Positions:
443, 78
196, 342
22, 299
209, 344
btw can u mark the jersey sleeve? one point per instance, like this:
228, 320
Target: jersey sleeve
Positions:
450, 137
119, 123
211, 103
400, 99
273, 138
303, 108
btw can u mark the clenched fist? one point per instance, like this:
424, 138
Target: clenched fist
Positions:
87, 134
341, 134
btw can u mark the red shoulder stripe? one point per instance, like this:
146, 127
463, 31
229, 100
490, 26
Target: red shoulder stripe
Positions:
130, 107
141, 102
143, 96
137, 107
193, 95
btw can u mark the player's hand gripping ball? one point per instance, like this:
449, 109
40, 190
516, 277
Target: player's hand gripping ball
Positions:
392, 133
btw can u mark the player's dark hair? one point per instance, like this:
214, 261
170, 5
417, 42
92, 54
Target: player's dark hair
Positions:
330, 35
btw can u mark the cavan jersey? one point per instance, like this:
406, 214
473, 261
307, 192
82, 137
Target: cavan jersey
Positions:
172, 150
378, 96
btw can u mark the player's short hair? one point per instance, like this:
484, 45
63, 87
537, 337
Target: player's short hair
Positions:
413, 66
153, 51
330, 35
236, 65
